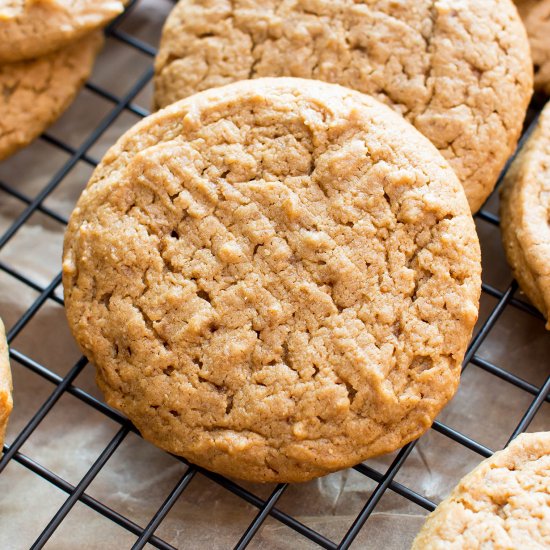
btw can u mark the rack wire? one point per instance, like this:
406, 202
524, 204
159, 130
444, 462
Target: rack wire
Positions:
266, 508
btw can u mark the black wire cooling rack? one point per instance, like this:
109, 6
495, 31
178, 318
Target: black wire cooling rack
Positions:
385, 480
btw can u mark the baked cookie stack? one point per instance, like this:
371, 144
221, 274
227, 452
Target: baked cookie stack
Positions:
47, 50
277, 275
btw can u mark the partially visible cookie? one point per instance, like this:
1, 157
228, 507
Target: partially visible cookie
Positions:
536, 16
6, 403
35, 28
34, 94
459, 70
275, 279
525, 212
503, 504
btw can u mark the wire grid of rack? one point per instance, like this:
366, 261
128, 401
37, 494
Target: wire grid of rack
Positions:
266, 507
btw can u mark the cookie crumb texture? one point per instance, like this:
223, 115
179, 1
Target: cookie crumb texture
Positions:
459, 70
34, 94
275, 279
35, 28
536, 16
525, 215
503, 504
6, 403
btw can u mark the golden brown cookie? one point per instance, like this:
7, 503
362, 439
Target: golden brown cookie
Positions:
525, 211
459, 70
35, 28
504, 504
536, 16
275, 279
34, 94
6, 403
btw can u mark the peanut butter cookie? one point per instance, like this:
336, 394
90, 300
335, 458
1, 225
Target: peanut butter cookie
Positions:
275, 279
525, 211
504, 503
34, 94
35, 28
536, 16
6, 403
458, 70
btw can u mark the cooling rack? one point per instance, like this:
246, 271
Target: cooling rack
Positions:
266, 507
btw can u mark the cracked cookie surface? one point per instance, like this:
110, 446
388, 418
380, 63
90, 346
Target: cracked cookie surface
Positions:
503, 504
458, 70
34, 94
6, 403
536, 16
35, 28
525, 216
275, 279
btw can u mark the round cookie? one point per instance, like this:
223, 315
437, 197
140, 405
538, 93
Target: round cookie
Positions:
35, 28
503, 503
525, 211
458, 70
34, 94
536, 16
275, 279
6, 403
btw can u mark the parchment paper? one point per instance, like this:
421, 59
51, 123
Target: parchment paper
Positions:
139, 477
